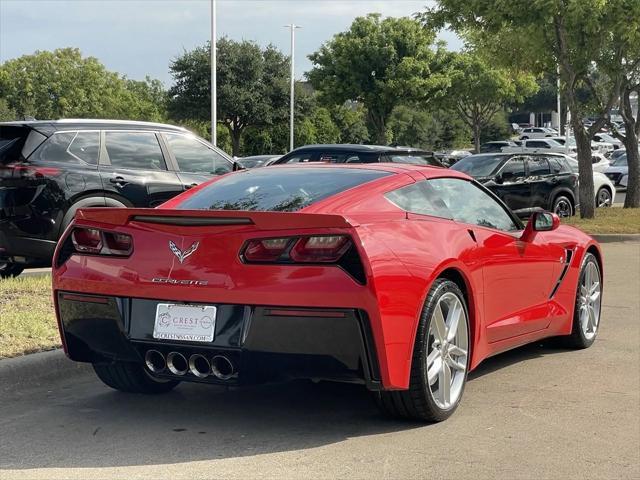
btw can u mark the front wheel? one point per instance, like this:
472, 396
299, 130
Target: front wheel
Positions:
586, 316
440, 359
603, 197
131, 378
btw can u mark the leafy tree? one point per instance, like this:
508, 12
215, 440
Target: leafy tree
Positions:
441, 129
252, 86
6, 112
479, 90
379, 63
569, 34
59, 84
350, 119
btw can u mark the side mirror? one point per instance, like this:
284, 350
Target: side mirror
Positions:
237, 166
540, 222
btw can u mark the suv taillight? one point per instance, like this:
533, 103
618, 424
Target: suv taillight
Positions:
94, 241
304, 249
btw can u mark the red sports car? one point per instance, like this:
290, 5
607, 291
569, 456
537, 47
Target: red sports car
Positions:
400, 277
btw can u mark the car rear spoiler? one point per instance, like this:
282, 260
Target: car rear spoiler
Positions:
262, 220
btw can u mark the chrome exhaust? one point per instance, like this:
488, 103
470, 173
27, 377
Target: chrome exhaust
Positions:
154, 360
177, 363
221, 367
199, 365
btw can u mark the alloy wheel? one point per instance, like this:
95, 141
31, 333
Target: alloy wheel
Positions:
563, 208
589, 301
604, 198
448, 349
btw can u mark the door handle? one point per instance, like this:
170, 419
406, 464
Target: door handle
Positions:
118, 181
191, 185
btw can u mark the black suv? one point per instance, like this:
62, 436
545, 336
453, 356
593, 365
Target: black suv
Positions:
346, 153
49, 169
526, 182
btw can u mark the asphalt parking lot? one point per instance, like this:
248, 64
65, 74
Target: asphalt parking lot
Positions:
537, 412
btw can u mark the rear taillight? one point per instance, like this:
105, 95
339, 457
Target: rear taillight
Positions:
306, 249
14, 170
94, 241
321, 249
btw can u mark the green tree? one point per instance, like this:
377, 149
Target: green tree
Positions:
542, 35
6, 113
252, 87
479, 90
59, 84
380, 63
437, 129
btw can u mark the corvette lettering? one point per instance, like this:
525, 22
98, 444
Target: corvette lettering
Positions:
174, 281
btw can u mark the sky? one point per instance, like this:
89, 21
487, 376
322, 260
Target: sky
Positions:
140, 37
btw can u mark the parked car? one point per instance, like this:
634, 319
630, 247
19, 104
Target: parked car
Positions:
618, 172
50, 169
608, 139
603, 187
496, 146
402, 278
604, 148
526, 183
540, 145
256, 161
600, 162
450, 157
537, 132
348, 153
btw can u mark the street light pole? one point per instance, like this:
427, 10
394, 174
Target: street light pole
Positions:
293, 28
214, 79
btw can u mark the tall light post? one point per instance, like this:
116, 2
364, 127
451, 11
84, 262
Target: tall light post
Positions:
293, 28
214, 79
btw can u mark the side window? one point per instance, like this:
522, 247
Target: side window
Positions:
538, 166
302, 157
138, 150
537, 144
468, 203
195, 157
79, 148
513, 171
557, 166
419, 198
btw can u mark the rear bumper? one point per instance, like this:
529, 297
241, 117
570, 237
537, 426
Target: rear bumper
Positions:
263, 343
34, 252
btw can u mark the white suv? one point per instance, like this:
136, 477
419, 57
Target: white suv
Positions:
537, 132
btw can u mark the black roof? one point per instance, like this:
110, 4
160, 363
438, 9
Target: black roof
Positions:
352, 147
50, 126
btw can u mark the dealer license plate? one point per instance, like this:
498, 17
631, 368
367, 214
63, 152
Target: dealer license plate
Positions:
188, 323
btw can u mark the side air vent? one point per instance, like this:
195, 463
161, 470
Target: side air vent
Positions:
568, 255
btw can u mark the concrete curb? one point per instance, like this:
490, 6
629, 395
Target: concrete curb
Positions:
36, 367
617, 237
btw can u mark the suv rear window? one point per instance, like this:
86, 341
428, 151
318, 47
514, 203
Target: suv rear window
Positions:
16, 144
278, 189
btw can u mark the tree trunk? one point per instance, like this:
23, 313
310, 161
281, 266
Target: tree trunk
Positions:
377, 128
235, 134
586, 195
476, 137
632, 199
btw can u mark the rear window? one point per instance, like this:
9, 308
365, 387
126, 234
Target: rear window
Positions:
278, 189
16, 144
411, 159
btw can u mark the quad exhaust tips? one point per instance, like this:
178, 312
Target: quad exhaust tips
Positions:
198, 365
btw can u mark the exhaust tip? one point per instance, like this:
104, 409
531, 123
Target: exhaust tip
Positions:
221, 367
177, 363
199, 366
154, 360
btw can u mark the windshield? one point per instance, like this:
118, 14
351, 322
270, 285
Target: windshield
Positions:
278, 189
479, 165
621, 161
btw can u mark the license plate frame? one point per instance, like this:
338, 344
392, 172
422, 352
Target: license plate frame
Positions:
185, 322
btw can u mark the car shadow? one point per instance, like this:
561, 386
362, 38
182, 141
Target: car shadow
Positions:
81, 423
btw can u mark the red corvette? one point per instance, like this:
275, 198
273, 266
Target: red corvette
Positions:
400, 277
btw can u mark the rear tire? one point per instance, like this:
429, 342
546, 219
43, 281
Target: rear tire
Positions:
420, 402
603, 198
131, 378
563, 206
9, 270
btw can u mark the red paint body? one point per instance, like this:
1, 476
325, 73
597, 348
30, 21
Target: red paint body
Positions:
508, 281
